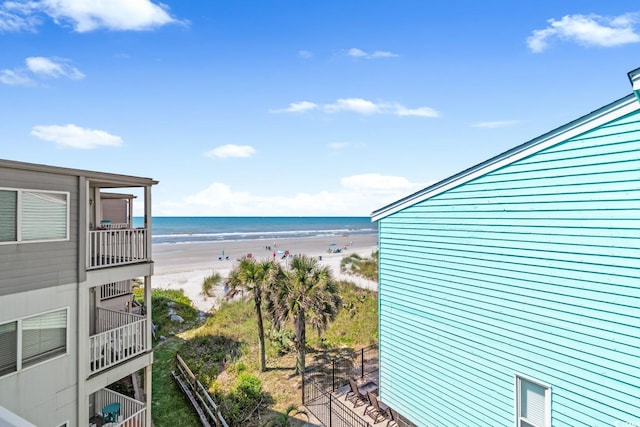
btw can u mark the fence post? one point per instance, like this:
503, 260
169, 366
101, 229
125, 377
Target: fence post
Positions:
303, 386
330, 411
333, 375
362, 362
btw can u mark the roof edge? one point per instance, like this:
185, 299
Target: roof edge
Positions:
609, 112
95, 175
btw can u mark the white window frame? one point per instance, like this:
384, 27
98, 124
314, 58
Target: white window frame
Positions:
518, 379
18, 343
19, 192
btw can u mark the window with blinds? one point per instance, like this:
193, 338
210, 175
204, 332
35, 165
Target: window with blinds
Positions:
533, 401
44, 216
8, 216
33, 215
43, 337
8, 348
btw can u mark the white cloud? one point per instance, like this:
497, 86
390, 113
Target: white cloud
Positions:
15, 78
305, 54
401, 110
588, 30
39, 66
360, 106
52, 67
356, 105
359, 53
338, 145
85, 15
15, 17
231, 150
358, 195
72, 136
297, 107
495, 124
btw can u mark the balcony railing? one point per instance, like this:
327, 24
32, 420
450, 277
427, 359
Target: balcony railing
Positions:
131, 410
108, 248
114, 225
121, 336
115, 289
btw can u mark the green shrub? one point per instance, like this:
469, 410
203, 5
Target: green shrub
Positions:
283, 340
249, 386
241, 403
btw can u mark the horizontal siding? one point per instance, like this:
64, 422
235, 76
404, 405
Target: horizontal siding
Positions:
530, 269
29, 266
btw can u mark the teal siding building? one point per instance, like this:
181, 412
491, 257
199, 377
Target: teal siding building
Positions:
510, 293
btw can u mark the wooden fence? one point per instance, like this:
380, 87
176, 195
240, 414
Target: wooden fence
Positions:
208, 412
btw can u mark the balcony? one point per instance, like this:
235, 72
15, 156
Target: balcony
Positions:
121, 336
115, 289
132, 412
116, 246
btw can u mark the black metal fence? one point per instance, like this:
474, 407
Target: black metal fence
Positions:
328, 408
332, 373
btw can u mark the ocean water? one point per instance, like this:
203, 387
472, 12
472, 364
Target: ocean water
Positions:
220, 229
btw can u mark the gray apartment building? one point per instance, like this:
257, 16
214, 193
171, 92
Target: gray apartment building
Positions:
70, 257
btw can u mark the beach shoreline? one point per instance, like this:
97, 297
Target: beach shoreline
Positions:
186, 265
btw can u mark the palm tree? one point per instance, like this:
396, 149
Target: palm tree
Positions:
255, 277
304, 294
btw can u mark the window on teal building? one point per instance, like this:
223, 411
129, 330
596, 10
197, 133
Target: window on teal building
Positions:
533, 403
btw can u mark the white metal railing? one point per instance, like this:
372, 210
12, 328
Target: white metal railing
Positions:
120, 337
106, 248
131, 410
115, 289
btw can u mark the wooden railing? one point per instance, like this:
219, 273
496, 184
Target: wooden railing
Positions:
115, 289
107, 248
200, 399
132, 411
121, 336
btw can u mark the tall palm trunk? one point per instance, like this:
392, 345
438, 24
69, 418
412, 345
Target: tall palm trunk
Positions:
263, 359
301, 341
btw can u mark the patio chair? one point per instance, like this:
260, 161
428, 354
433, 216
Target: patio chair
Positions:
378, 411
393, 417
356, 396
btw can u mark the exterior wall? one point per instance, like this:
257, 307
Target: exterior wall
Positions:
29, 266
115, 210
529, 269
44, 394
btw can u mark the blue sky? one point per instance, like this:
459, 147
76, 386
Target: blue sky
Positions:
294, 107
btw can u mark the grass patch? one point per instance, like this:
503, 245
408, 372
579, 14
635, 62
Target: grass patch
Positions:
356, 325
165, 301
169, 407
223, 352
210, 282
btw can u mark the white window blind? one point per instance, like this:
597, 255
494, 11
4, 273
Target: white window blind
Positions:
44, 216
8, 348
44, 336
8, 213
533, 410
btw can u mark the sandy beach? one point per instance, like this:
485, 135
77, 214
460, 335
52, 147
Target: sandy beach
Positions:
186, 265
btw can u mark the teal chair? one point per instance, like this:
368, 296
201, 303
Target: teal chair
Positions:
111, 412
